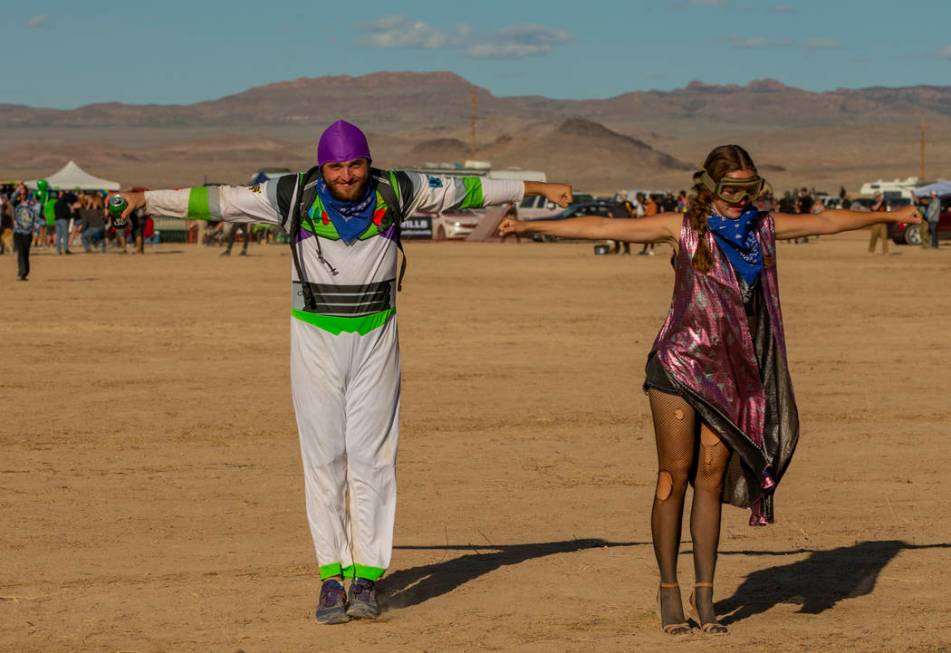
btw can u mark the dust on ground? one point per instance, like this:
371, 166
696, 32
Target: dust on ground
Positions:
151, 489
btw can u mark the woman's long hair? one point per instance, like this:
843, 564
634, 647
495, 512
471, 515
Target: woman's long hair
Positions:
720, 162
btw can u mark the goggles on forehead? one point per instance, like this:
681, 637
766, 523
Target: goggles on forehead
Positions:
734, 191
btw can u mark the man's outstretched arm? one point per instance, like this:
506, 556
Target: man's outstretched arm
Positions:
435, 194
263, 203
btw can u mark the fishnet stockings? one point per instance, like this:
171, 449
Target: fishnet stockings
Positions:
680, 454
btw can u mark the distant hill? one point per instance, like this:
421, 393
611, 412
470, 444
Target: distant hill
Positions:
399, 101
581, 151
641, 138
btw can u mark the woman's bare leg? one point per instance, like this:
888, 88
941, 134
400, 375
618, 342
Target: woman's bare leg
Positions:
705, 517
674, 423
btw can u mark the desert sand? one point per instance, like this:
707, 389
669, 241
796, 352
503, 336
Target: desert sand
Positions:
151, 491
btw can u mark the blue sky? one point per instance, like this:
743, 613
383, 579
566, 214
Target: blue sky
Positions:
65, 54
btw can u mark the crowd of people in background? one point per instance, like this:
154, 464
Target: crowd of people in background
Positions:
62, 220
70, 217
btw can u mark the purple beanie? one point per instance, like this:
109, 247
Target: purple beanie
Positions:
342, 142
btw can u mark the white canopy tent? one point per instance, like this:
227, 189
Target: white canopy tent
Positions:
940, 187
72, 177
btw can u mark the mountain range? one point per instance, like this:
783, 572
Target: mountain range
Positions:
637, 138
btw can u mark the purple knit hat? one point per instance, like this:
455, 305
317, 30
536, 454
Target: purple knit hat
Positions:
342, 142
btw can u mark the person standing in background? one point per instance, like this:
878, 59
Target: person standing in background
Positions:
25, 218
622, 209
804, 202
650, 209
932, 216
233, 230
77, 202
93, 217
61, 212
6, 224
879, 231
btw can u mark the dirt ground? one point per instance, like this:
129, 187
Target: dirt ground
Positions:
151, 492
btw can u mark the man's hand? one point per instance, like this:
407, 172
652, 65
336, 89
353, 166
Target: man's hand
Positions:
134, 200
907, 214
510, 226
560, 194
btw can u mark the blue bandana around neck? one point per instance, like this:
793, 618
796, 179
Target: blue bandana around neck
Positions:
350, 218
737, 239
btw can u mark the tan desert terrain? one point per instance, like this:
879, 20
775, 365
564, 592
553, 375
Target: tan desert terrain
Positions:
151, 492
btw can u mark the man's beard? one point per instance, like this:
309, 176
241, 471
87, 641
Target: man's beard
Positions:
353, 192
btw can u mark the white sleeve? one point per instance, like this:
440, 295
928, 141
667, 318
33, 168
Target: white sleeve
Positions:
256, 203
433, 194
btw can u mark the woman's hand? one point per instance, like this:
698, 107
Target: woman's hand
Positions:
907, 214
510, 226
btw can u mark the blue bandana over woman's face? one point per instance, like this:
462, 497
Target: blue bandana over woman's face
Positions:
737, 239
350, 218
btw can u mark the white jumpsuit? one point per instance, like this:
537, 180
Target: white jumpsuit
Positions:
345, 368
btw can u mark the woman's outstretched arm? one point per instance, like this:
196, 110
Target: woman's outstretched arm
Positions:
655, 229
833, 221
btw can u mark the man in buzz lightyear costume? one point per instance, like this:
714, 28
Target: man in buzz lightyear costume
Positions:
343, 218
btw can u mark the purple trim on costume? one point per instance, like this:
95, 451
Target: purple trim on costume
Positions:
390, 233
768, 482
303, 235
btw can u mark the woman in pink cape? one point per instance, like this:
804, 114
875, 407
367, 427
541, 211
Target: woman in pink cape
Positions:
722, 402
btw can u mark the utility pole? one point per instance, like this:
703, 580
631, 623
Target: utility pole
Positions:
472, 124
921, 168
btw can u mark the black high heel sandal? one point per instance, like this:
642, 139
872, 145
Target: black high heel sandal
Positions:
711, 627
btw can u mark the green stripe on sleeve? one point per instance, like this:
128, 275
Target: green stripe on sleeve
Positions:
198, 203
474, 198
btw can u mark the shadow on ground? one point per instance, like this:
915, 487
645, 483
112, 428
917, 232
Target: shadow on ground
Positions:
415, 585
815, 583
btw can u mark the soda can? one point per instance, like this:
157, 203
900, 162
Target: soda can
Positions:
117, 205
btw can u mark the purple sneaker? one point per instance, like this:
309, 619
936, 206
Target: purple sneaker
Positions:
362, 600
332, 604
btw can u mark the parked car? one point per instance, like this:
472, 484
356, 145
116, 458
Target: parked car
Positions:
575, 210
536, 206
901, 234
455, 225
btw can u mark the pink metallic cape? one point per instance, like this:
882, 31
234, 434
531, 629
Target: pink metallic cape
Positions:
705, 346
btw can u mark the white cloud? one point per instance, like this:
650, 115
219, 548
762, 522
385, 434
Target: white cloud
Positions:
512, 42
403, 32
783, 9
821, 44
518, 41
38, 21
945, 52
